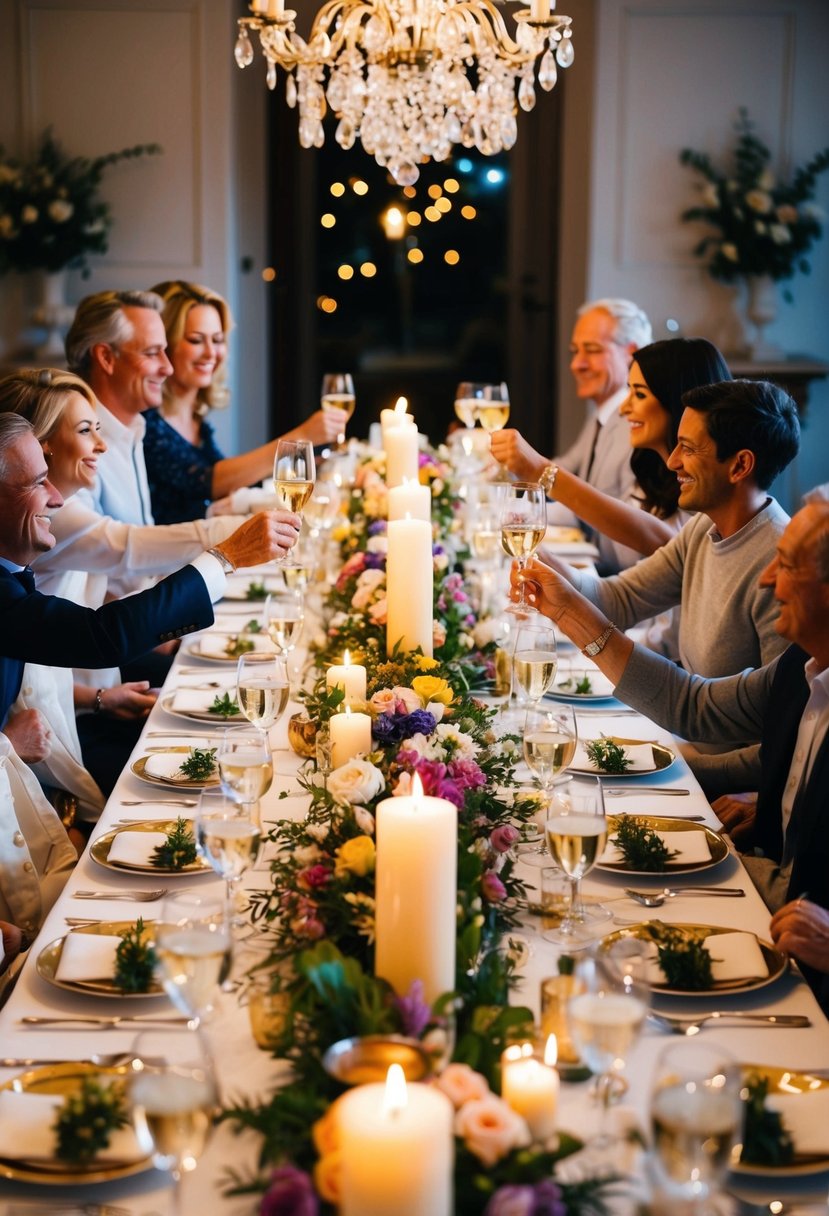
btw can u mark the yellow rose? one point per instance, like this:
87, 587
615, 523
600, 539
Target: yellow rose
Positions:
356, 856
341, 531
327, 1177
424, 663
432, 688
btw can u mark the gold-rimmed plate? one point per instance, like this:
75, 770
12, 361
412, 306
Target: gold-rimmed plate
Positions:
61, 1080
774, 960
793, 1084
663, 758
718, 847
99, 851
194, 648
199, 715
139, 768
48, 962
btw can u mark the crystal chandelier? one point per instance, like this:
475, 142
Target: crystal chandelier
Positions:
398, 72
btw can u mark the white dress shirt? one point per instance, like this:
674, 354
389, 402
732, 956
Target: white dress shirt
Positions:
123, 490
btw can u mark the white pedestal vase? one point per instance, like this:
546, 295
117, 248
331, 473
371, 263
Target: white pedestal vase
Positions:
53, 315
761, 310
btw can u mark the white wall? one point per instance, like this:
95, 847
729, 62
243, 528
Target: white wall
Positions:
668, 74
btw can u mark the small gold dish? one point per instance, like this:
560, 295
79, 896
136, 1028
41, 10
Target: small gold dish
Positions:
360, 1061
302, 734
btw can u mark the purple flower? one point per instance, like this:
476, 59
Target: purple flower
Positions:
386, 729
377, 527
549, 1200
414, 1012
467, 774
503, 838
375, 561
492, 887
291, 1193
418, 722
511, 1201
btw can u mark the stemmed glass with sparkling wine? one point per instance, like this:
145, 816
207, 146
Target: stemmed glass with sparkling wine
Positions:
493, 410
550, 738
337, 393
228, 835
576, 831
283, 619
535, 659
294, 473
523, 524
172, 1104
245, 768
262, 689
193, 946
696, 1114
468, 396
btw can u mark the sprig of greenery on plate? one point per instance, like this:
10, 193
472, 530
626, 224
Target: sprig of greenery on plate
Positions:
766, 1139
135, 959
224, 706
200, 764
683, 957
178, 850
256, 591
607, 756
579, 688
238, 644
87, 1118
641, 847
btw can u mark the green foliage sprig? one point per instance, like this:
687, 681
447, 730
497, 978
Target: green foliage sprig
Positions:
224, 706
256, 591
766, 1140
87, 1119
607, 756
641, 847
238, 644
764, 226
135, 959
201, 763
178, 850
580, 688
683, 957
50, 213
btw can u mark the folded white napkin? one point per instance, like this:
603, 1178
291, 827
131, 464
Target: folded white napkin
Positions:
600, 686
734, 956
166, 765
235, 620
134, 848
214, 646
87, 956
252, 498
692, 848
26, 1130
806, 1116
640, 756
190, 700
237, 586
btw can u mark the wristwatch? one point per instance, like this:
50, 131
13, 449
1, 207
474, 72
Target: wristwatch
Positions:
547, 480
225, 562
598, 644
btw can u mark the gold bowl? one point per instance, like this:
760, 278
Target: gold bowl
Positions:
302, 734
361, 1060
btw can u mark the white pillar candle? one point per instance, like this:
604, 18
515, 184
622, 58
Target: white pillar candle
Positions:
350, 677
409, 585
530, 1087
401, 448
350, 735
540, 10
410, 500
398, 416
396, 1152
416, 892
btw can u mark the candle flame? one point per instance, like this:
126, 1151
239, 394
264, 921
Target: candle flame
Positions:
417, 786
395, 1097
347, 709
551, 1051
401, 406
346, 659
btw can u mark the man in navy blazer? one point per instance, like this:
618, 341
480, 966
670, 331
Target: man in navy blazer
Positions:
56, 632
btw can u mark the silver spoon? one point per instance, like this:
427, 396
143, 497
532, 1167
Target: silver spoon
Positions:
655, 899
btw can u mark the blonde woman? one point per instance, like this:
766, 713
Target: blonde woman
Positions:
185, 468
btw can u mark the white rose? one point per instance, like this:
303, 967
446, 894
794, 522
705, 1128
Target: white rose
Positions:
356, 781
437, 709
780, 234
364, 820
377, 544
367, 585
317, 831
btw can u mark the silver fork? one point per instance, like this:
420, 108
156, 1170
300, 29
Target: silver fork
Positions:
67, 1209
692, 1026
141, 897
616, 791
166, 801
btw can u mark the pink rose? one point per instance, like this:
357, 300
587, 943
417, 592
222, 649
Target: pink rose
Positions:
489, 1129
438, 634
462, 1084
493, 889
378, 611
503, 838
409, 699
384, 701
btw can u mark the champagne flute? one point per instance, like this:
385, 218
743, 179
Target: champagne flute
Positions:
337, 393
245, 768
576, 831
172, 1104
284, 616
535, 660
323, 507
695, 1116
605, 1017
493, 410
262, 689
294, 473
193, 945
523, 524
468, 396
550, 738
228, 837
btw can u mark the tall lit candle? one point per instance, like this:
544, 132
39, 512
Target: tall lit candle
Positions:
530, 1087
397, 1143
411, 500
416, 892
350, 735
409, 585
399, 416
350, 677
401, 447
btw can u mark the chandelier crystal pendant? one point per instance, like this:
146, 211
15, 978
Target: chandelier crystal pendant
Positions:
396, 73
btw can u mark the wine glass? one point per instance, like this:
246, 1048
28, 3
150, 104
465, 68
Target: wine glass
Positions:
300, 563
696, 1114
283, 619
294, 473
323, 507
468, 396
550, 738
228, 836
245, 768
173, 1098
493, 410
262, 689
193, 946
576, 831
535, 659
337, 393
523, 524
605, 1017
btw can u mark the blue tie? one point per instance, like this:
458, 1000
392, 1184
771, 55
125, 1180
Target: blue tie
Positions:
26, 579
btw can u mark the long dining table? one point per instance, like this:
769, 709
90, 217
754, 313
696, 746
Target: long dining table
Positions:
245, 1071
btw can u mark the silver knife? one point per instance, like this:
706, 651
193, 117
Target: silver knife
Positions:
104, 1023
635, 790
